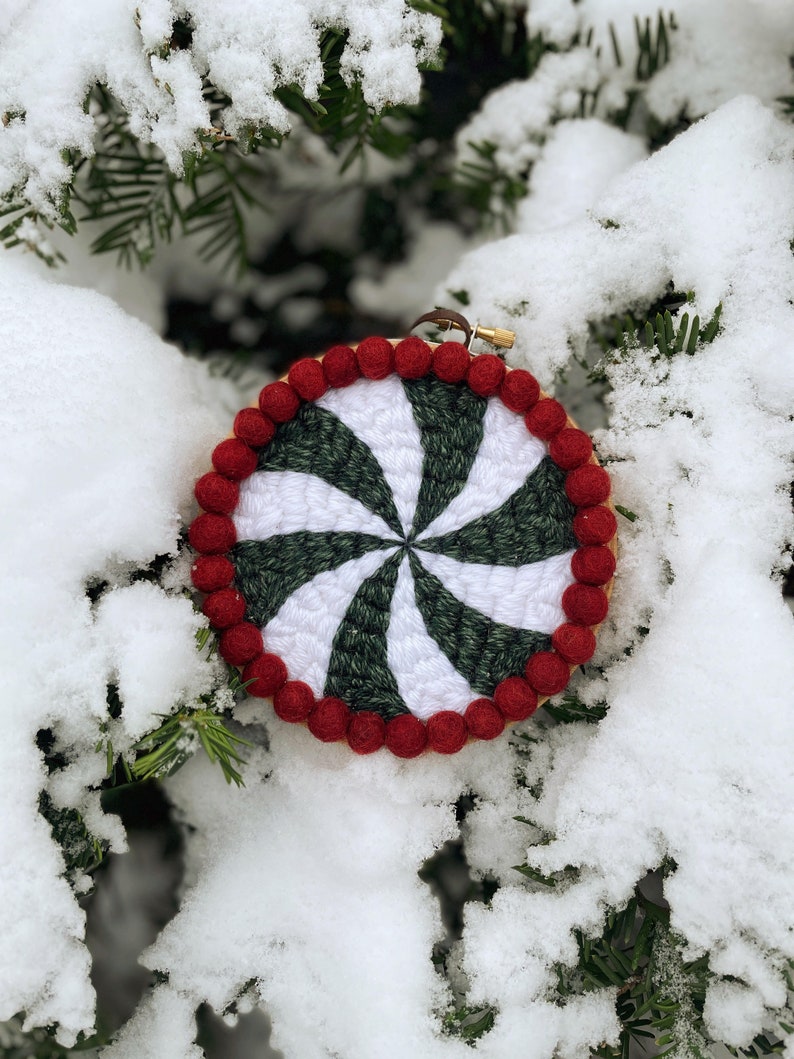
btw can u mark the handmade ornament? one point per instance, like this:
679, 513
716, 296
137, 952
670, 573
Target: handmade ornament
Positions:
405, 545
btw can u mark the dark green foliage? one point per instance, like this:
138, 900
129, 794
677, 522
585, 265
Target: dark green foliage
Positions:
626, 513
660, 995
570, 708
128, 185
341, 116
468, 1023
621, 338
167, 749
82, 852
493, 193
40, 1043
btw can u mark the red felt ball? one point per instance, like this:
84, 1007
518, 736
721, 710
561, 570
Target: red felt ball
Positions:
595, 525
329, 719
212, 534
279, 401
575, 643
484, 720
341, 366
267, 673
451, 361
486, 373
412, 358
519, 390
253, 428
546, 419
515, 699
585, 604
587, 485
447, 732
366, 732
375, 358
240, 644
216, 493
593, 564
294, 702
547, 672
307, 379
210, 572
406, 736
570, 448
234, 459
224, 608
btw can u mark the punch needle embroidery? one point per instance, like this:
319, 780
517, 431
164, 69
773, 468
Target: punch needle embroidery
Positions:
405, 545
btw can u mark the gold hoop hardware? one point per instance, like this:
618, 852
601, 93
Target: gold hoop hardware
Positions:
496, 336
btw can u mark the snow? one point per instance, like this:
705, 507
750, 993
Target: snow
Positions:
694, 759
151, 653
305, 881
516, 116
247, 50
102, 434
576, 164
717, 51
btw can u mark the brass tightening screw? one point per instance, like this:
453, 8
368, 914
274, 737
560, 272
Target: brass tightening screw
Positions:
497, 336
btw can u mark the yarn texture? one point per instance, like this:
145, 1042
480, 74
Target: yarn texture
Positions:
407, 569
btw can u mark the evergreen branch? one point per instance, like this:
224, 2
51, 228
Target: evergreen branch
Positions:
468, 1023
82, 851
571, 709
620, 338
653, 48
164, 751
660, 994
493, 193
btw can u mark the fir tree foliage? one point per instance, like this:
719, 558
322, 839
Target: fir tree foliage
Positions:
127, 184
495, 193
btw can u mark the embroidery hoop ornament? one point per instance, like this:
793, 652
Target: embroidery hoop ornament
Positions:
226, 492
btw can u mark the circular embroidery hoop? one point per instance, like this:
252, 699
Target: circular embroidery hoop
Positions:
405, 545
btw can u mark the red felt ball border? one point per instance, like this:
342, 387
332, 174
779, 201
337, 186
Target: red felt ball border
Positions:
516, 698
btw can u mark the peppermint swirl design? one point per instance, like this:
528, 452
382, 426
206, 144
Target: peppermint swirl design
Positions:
401, 558
404, 545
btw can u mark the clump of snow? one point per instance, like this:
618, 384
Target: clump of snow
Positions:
149, 638
52, 54
577, 162
163, 1026
314, 864
734, 1012
515, 117
103, 435
694, 759
712, 55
